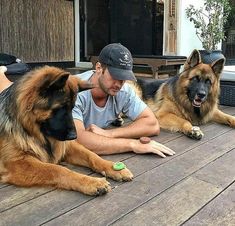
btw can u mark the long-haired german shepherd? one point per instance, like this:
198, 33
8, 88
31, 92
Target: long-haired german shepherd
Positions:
183, 102
37, 132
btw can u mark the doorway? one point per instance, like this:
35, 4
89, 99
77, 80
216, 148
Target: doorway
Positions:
137, 24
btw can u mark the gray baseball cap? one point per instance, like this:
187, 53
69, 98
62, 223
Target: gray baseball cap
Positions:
118, 60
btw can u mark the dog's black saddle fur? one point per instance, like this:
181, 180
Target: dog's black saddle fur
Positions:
149, 87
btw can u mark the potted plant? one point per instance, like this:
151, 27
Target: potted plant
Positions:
210, 22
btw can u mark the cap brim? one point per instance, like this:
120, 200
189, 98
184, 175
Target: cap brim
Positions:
121, 74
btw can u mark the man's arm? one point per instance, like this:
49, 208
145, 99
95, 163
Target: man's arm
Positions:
107, 145
145, 124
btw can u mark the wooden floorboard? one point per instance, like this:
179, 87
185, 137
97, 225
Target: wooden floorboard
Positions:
220, 211
193, 187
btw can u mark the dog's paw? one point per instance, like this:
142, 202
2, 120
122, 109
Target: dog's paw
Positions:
196, 133
231, 122
118, 122
119, 175
96, 186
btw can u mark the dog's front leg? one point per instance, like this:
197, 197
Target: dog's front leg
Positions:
77, 154
223, 118
174, 123
29, 172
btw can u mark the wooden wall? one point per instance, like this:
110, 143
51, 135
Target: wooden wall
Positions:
170, 28
37, 30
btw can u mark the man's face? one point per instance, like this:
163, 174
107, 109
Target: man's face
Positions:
109, 85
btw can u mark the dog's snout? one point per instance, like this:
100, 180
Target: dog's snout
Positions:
72, 135
201, 94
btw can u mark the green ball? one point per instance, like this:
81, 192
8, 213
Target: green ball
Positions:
119, 166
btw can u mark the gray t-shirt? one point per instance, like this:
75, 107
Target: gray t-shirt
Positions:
125, 101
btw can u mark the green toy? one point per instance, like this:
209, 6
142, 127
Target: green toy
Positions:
119, 166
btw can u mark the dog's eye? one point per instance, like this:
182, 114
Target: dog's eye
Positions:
196, 78
208, 81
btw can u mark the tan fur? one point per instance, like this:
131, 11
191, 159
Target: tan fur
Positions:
173, 108
23, 159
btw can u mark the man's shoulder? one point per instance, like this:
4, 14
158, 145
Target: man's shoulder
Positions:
86, 75
126, 88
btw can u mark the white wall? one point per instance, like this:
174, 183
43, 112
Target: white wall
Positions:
187, 39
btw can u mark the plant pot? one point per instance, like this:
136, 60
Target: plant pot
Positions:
210, 56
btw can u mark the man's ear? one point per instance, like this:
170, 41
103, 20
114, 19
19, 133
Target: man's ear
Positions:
193, 60
98, 67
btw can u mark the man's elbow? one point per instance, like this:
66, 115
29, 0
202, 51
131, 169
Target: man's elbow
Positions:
155, 128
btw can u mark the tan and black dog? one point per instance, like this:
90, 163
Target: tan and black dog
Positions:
37, 132
184, 102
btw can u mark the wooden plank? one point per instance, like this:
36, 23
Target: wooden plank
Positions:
221, 211
180, 144
28, 214
220, 172
2, 185
179, 203
174, 206
128, 196
12, 195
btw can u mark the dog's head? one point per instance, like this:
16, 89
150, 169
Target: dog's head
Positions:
201, 80
48, 98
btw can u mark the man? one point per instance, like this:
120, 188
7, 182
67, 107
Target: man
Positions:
96, 109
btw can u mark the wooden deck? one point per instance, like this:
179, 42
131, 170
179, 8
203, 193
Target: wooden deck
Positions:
194, 187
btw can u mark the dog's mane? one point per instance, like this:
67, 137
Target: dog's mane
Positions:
16, 111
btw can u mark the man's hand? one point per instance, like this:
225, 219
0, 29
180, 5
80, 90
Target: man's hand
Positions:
143, 146
97, 130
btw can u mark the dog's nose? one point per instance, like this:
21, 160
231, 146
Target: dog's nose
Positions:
72, 135
201, 94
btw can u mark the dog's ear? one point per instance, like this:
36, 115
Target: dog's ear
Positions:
193, 60
50, 83
79, 85
60, 82
218, 66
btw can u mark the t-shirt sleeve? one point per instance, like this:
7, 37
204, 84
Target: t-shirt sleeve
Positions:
79, 108
133, 106
82, 100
